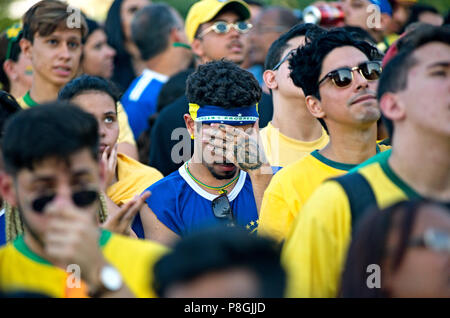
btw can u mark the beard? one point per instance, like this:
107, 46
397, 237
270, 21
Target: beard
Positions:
224, 175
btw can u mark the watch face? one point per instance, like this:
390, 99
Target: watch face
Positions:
111, 278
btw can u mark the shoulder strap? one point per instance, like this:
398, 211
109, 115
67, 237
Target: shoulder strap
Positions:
360, 195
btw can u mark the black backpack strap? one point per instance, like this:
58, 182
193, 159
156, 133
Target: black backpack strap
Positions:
360, 195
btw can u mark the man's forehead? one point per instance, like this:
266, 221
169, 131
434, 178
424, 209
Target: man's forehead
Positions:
62, 32
432, 52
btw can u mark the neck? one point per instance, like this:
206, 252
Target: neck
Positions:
42, 91
202, 174
164, 63
18, 90
421, 160
138, 63
294, 120
33, 244
350, 145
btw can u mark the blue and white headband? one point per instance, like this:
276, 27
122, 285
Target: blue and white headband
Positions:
230, 116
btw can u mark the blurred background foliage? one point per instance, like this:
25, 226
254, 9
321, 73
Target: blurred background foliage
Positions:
12, 10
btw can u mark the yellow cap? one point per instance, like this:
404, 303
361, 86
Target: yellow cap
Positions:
205, 10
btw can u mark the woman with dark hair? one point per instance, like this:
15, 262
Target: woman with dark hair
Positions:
98, 56
402, 251
127, 62
15, 68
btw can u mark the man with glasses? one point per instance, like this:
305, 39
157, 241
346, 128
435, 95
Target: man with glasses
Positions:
215, 30
53, 176
224, 181
339, 79
412, 81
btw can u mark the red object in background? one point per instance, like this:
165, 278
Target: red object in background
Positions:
327, 15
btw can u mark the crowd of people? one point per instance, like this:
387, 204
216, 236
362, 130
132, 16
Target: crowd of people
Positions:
239, 152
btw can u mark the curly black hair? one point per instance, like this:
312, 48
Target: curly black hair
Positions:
222, 83
306, 62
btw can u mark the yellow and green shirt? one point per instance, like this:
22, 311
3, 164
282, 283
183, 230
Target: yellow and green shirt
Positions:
133, 178
282, 150
21, 270
125, 133
291, 187
315, 249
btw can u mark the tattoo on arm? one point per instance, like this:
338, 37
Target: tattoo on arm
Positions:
248, 155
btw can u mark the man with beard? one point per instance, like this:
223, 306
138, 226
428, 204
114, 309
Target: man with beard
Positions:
224, 181
216, 29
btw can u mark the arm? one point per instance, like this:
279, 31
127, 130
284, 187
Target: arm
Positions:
154, 229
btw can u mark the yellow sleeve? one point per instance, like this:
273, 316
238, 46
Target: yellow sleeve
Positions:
316, 247
275, 218
125, 133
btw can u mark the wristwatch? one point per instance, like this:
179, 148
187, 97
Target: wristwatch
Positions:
110, 280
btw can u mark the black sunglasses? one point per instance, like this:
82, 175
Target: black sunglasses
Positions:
343, 77
222, 209
288, 54
81, 199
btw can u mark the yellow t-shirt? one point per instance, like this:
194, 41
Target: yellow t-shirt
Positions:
282, 150
134, 177
289, 190
315, 249
125, 133
21, 270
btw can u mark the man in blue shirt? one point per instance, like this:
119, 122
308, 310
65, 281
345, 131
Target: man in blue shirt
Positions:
158, 31
225, 179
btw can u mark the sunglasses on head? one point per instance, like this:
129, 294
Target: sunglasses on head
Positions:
222, 209
222, 27
81, 199
343, 77
276, 67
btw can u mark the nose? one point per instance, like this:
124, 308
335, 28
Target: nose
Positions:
63, 196
361, 81
101, 129
110, 51
64, 51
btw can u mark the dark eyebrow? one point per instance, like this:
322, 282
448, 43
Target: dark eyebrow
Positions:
439, 64
110, 113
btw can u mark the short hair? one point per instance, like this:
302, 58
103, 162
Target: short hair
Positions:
306, 62
309, 30
47, 16
151, 29
218, 249
86, 83
394, 77
222, 83
419, 8
49, 130
359, 33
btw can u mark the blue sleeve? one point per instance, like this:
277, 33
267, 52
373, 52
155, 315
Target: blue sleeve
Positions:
163, 202
2, 228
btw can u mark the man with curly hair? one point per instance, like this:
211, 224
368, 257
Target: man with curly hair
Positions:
225, 179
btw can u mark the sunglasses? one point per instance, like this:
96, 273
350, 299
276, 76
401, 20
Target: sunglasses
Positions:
343, 77
276, 67
222, 209
433, 239
221, 27
81, 199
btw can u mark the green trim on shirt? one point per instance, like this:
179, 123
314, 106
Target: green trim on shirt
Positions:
331, 163
29, 101
22, 247
410, 193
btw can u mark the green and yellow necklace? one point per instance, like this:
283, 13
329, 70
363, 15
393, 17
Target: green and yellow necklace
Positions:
221, 190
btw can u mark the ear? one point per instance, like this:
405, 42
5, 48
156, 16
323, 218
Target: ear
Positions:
7, 189
270, 79
190, 124
26, 47
8, 68
392, 107
314, 106
197, 49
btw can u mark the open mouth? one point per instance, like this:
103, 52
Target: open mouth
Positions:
63, 70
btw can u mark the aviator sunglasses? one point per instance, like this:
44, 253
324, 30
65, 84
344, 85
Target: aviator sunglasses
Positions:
222, 209
343, 77
81, 199
222, 27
